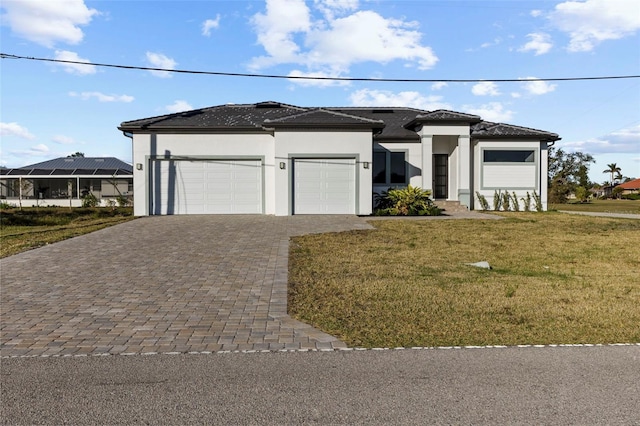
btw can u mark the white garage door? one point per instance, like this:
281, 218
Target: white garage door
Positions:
206, 187
324, 186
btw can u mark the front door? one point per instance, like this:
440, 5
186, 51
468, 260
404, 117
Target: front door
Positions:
440, 176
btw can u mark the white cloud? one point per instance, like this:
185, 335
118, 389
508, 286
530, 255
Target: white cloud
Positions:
535, 13
591, 22
210, 24
37, 150
178, 106
621, 141
65, 55
539, 43
289, 34
159, 60
102, 97
537, 87
63, 140
331, 8
14, 129
485, 88
438, 85
493, 111
317, 83
48, 22
385, 98
516, 95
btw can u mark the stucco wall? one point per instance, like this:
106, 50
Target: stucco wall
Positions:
512, 177
309, 143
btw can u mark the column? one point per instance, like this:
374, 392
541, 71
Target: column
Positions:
427, 162
464, 170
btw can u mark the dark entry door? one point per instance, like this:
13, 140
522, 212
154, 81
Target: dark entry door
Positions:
440, 176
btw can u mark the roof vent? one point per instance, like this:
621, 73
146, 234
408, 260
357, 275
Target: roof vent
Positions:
68, 160
268, 105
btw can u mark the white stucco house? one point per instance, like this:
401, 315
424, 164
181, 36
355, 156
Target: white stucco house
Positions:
279, 159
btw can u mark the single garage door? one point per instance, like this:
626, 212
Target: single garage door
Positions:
324, 186
206, 187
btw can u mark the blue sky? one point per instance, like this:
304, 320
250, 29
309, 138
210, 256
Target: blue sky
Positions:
50, 110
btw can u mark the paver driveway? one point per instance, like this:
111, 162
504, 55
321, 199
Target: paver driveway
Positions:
161, 284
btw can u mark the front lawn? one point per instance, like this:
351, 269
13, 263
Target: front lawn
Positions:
555, 279
33, 227
607, 206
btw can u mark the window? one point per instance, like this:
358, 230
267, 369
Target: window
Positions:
508, 156
389, 167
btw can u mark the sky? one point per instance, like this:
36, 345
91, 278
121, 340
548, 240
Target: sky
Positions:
49, 109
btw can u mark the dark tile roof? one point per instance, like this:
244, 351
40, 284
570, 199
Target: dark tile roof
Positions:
319, 117
76, 166
394, 119
487, 129
242, 116
398, 122
446, 115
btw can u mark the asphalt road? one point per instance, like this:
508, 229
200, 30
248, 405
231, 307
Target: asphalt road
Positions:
549, 385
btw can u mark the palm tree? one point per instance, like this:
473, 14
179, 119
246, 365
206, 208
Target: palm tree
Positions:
612, 169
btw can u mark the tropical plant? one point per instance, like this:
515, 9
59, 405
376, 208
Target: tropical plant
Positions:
497, 200
409, 201
484, 204
514, 202
537, 201
527, 202
505, 201
612, 169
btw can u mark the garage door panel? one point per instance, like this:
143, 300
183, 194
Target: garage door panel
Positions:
207, 187
324, 186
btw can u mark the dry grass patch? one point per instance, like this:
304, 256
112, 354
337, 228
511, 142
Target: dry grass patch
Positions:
32, 228
607, 206
555, 279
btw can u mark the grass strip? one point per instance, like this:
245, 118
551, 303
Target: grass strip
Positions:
555, 279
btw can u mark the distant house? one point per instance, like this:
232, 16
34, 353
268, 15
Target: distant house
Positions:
631, 187
279, 159
67, 179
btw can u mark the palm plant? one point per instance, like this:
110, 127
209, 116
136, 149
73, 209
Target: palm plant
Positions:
612, 169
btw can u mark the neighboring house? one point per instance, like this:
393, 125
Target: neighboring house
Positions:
65, 180
273, 158
631, 187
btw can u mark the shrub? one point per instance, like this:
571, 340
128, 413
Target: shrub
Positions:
514, 202
409, 201
484, 204
497, 200
90, 200
631, 196
537, 201
527, 202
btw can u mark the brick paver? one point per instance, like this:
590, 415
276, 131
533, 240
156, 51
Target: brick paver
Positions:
161, 284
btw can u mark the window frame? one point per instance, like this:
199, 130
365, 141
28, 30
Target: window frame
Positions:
387, 166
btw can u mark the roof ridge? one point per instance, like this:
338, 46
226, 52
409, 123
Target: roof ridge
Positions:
321, 109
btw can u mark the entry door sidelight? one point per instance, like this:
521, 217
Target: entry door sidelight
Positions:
440, 176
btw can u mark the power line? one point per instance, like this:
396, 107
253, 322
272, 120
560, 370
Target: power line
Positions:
297, 77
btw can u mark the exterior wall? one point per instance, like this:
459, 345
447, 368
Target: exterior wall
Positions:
413, 152
512, 177
310, 143
146, 147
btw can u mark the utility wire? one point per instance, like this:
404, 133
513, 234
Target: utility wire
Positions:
297, 77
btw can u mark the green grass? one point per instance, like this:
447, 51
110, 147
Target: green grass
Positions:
555, 279
30, 228
607, 206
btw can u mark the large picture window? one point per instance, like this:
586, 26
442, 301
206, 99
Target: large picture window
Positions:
509, 156
389, 167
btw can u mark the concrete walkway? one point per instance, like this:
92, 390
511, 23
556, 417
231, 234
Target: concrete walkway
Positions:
161, 284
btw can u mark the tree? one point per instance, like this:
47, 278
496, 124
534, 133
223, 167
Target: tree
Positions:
567, 172
612, 169
76, 155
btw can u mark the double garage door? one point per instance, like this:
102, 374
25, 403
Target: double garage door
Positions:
206, 187
320, 186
